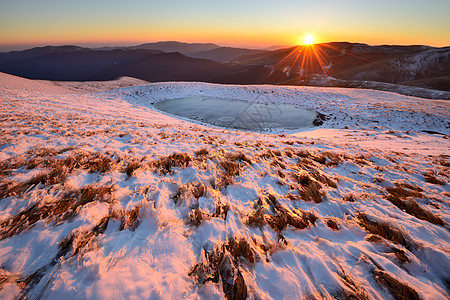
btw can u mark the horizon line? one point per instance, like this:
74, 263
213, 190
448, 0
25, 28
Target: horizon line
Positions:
94, 45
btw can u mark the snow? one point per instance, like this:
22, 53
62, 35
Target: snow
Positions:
373, 143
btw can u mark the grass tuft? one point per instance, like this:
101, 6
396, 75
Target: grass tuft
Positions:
384, 230
431, 177
403, 199
165, 164
399, 290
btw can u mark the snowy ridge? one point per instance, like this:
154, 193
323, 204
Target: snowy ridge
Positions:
104, 197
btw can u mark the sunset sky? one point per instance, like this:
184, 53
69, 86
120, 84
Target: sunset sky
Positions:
250, 23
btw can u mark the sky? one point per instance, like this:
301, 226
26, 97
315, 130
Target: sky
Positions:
249, 23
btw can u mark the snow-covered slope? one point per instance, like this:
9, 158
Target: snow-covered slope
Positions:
103, 197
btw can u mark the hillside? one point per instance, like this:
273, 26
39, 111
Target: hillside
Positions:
103, 196
412, 65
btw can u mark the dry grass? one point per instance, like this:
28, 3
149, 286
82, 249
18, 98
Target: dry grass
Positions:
309, 189
321, 159
399, 290
349, 197
231, 166
94, 162
198, 189
223, 264
298, 219
332, 224
165, 164
58, 211
54, 176
256, 218
196, 217
352, 289
202, 152
132, 166
221, 210
431, 177
283, 217
403, 199
130, 219
400, 254
320, 177
312, 192
384, 230
240, 157
82, 241
399, 191
192, 189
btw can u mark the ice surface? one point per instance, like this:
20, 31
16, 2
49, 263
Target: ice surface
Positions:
237, 114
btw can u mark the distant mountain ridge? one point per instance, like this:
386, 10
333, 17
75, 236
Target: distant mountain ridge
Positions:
173, 46
328, 64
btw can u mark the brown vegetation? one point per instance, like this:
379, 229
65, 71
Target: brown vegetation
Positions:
431, 177
309, 189
60, 210
399, 290
223, 263
403, 199
384, 230
165, 164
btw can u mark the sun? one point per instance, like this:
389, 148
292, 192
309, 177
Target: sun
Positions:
308, 39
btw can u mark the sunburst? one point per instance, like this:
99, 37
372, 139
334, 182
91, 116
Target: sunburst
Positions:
308, 39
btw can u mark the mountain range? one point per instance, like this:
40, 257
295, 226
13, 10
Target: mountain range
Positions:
329, 64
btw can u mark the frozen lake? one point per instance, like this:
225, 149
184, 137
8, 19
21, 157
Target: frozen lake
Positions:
239, 114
